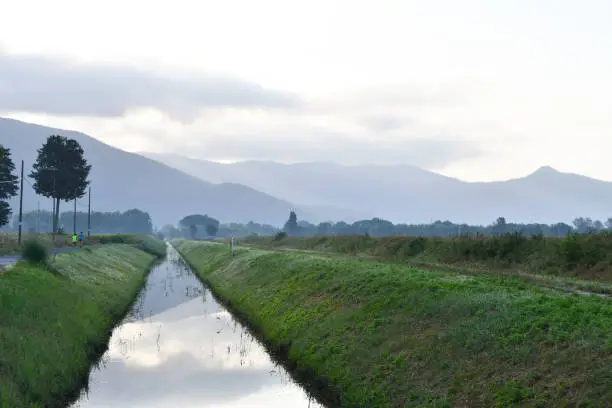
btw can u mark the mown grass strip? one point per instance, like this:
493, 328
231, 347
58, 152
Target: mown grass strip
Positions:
387, 335
53, 326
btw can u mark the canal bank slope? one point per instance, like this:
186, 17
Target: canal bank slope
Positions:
54, 325
386, 335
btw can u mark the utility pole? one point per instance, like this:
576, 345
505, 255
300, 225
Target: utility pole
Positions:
37, 216
74, 217
20, 205
53, 215
55, 199
89, 214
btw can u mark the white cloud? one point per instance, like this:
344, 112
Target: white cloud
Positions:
478, 89
43, 85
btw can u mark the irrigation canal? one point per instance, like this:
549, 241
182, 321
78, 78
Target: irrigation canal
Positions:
178, 347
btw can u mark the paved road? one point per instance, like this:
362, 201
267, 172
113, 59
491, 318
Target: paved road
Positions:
11, 259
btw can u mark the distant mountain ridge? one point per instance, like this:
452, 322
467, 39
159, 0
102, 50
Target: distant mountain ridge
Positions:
122, 180
406, 193
171, 186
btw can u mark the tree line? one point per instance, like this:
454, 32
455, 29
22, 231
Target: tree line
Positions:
198, 226
60, 172
378, 227
132, 221
381, 227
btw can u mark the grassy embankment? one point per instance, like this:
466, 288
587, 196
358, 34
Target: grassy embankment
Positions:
579, 261
53, 326
380, 334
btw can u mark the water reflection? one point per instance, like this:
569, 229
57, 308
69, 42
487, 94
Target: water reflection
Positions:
179, 348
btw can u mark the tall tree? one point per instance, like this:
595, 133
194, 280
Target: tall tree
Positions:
8, 184
291, 226
500, 225
60, 172
138, 221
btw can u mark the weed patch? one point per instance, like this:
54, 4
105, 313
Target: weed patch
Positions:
36, 251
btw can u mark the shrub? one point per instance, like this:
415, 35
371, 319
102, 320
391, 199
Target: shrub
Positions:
36, 251
280, 235
151, 245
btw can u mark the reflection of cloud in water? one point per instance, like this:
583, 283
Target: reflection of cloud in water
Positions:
186, 329
185, 350
171, 385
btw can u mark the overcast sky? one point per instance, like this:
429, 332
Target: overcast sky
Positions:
477, 89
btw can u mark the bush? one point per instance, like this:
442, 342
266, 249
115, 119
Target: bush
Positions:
151, 245
36, 251
280, 235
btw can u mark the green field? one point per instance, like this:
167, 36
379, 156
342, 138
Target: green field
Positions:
377, 334
53, 326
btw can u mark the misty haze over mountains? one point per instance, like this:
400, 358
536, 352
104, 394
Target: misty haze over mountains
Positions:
122, 180
170, 186
409, 194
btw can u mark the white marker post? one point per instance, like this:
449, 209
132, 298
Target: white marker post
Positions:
232, 246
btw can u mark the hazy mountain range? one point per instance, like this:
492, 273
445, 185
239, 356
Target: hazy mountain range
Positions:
171, 186
405, 193
122, 180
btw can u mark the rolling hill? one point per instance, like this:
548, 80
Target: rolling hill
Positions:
122, 180
407, 193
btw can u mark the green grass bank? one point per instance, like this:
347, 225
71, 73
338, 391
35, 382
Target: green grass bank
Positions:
53, 326
375, 334
578, 261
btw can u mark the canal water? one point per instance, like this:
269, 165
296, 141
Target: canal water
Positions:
178, 347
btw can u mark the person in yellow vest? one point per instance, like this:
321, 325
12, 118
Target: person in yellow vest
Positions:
74, 239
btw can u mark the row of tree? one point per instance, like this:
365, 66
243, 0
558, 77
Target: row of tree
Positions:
381, 227
128, 222
197, 226
217, 230
60, 172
